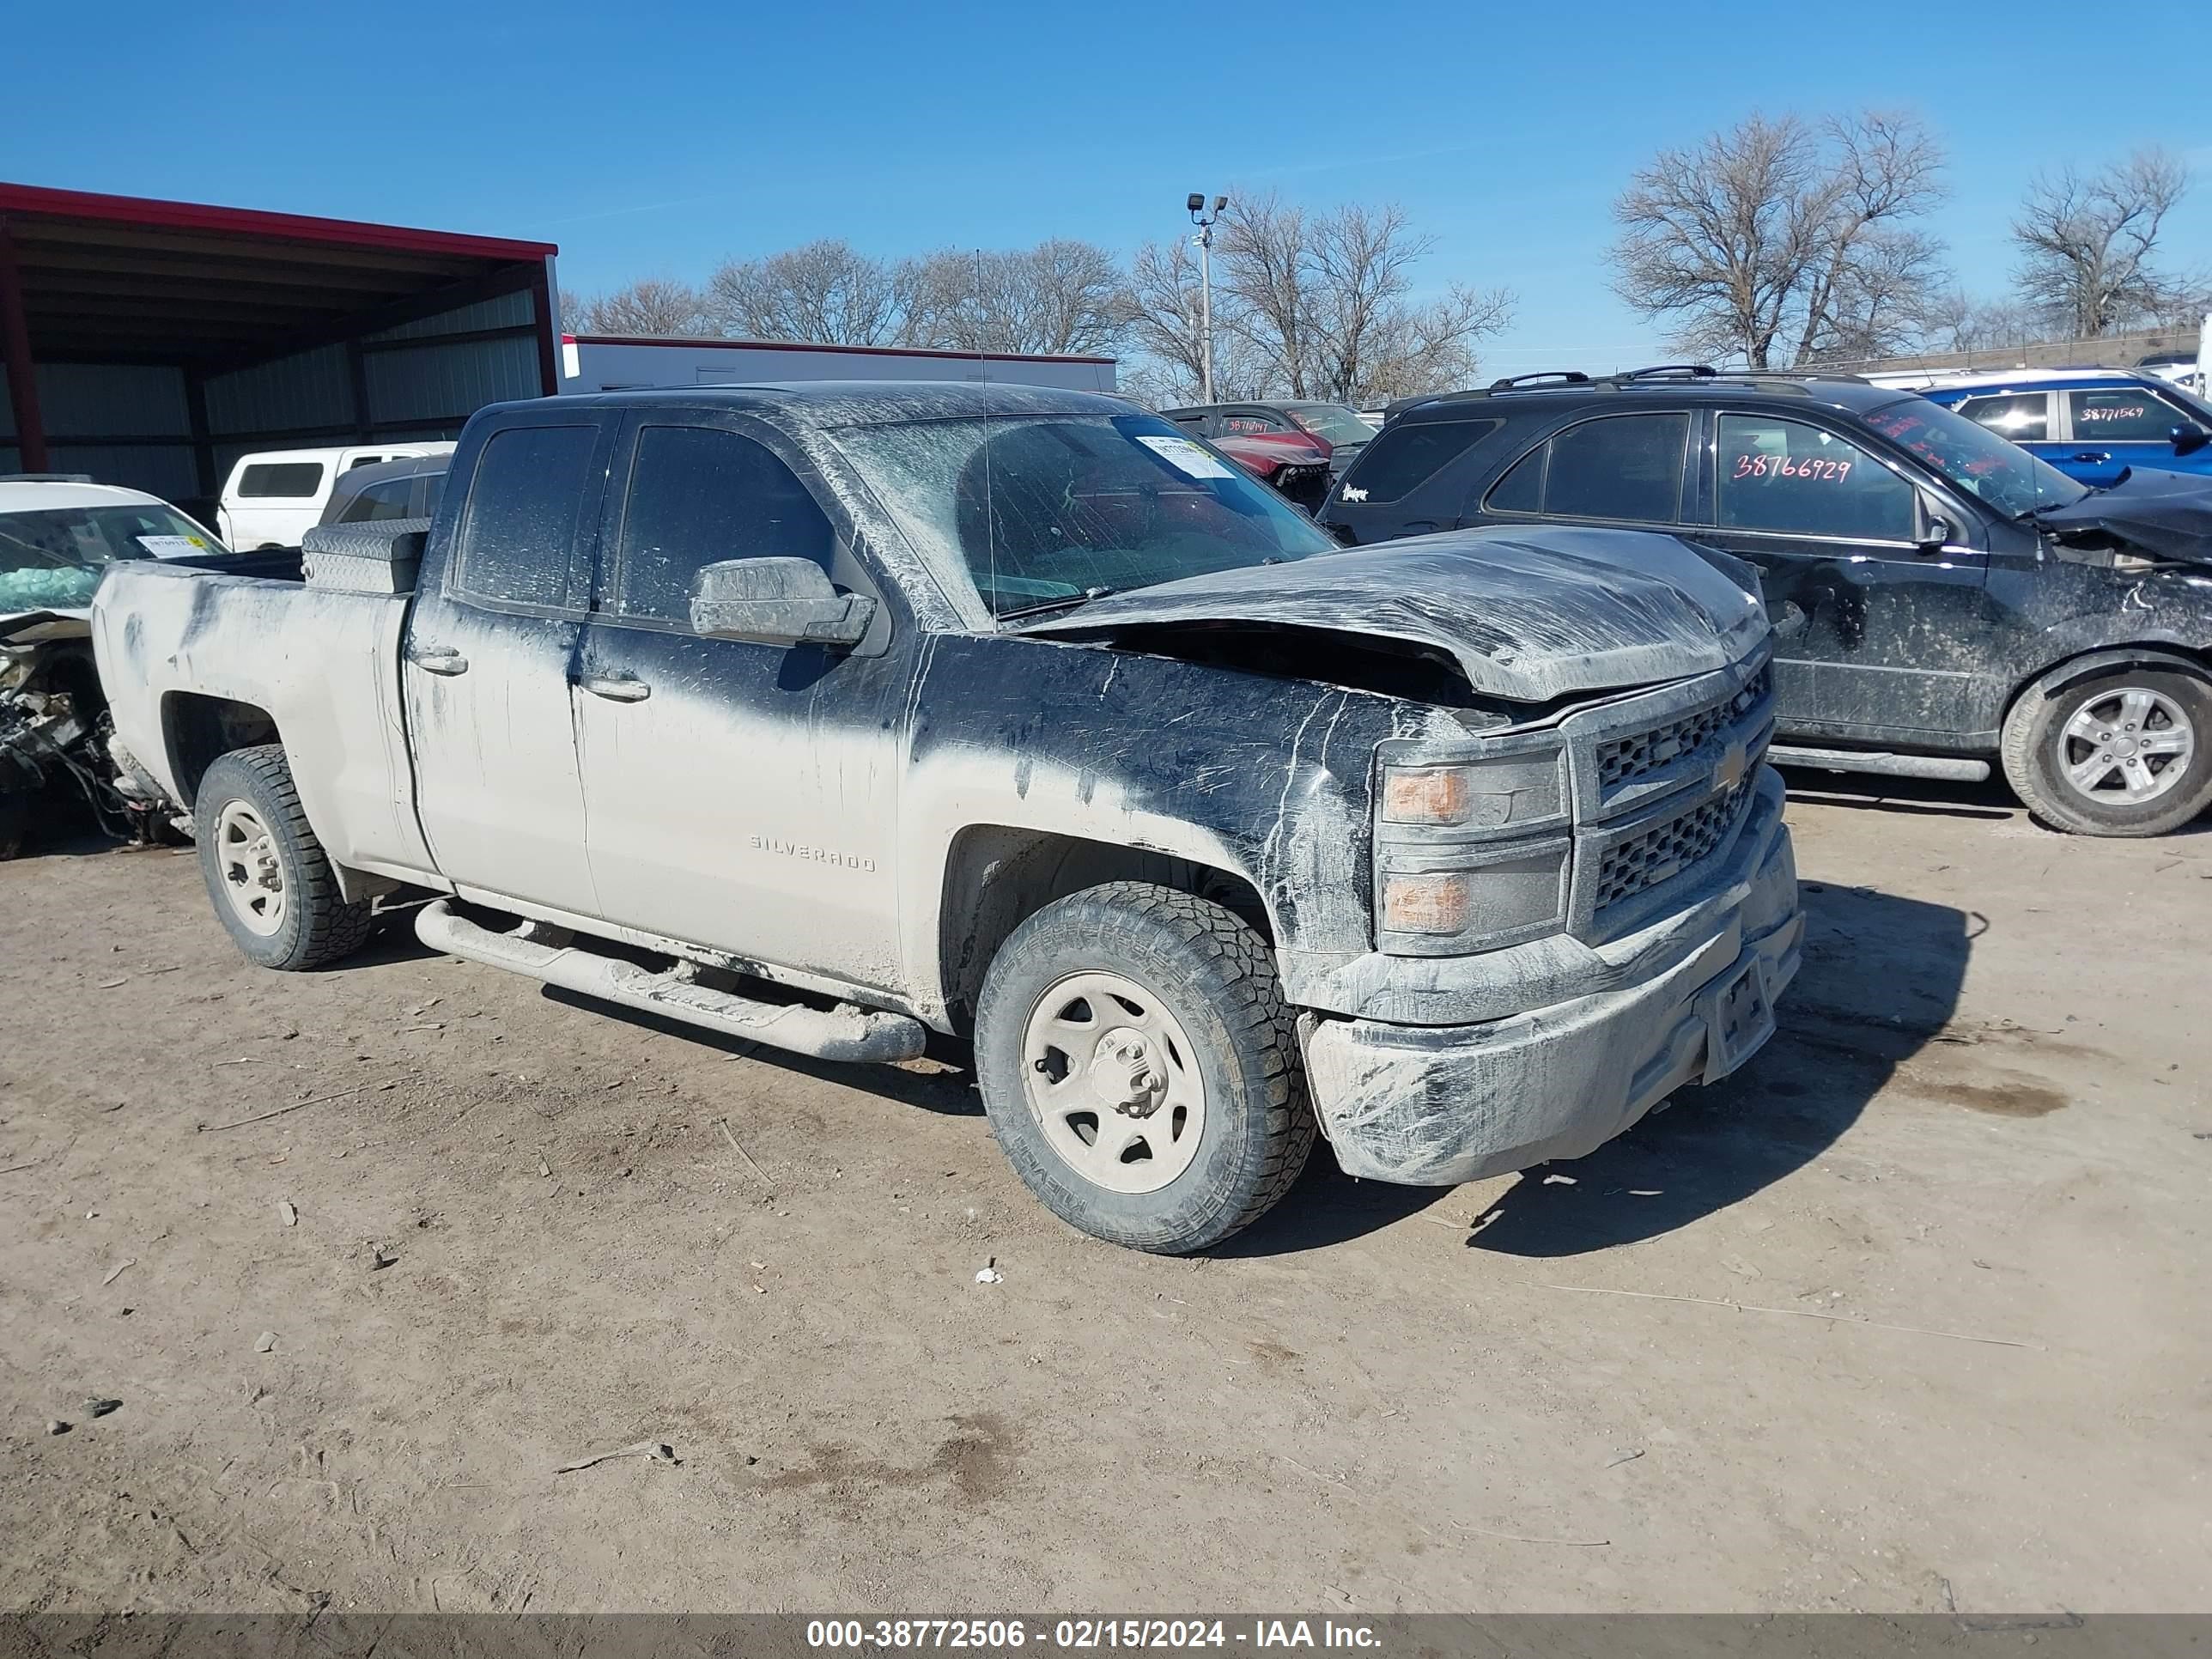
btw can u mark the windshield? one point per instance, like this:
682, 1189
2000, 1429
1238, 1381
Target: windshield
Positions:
1038, 508
52, 559
1331, 420
1973, 459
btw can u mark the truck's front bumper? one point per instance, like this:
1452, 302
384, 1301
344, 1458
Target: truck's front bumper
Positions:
1434, 1105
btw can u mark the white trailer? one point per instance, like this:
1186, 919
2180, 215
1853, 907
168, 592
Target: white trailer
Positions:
610, 363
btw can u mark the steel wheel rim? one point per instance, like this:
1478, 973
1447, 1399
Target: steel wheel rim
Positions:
1112, 1082
2126, 746
252, 874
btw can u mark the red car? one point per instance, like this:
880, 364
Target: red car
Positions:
1295, 448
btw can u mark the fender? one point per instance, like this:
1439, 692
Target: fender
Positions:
2074, 669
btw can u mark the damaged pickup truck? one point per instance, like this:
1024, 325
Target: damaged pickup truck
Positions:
833, 716
58, 535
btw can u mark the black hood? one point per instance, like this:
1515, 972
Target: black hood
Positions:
1529, 613
2168, 515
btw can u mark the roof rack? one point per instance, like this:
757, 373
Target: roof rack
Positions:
1669, 372
1565, 376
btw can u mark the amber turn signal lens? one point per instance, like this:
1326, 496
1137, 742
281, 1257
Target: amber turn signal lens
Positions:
1425, 904
1425, 794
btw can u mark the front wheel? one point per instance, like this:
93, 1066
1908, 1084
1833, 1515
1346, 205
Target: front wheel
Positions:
273, 885
1140, 1068
2125, 753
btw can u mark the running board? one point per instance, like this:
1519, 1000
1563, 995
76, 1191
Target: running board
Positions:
1895, 766
843, 1033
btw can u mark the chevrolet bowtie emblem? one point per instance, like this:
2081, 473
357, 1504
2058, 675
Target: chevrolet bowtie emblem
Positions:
1733, 765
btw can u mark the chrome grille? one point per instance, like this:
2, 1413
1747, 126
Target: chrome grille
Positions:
1644, 860
1620, 759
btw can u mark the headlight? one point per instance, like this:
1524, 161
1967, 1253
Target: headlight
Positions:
1440, 903
1471, 850
1487, 794
1426, 904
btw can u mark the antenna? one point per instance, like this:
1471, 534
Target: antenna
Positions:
990, 513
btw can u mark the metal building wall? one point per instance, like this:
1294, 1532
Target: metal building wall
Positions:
133, 425
123, 423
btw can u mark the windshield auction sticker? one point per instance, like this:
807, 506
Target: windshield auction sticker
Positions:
172, 547
1186, 457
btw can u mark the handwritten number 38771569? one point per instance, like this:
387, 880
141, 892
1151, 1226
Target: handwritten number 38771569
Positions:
1781, 466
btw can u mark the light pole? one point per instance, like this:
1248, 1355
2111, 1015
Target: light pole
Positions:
1205, 220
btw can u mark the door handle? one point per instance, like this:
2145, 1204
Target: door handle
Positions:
437, 660
2094, 456
616, 688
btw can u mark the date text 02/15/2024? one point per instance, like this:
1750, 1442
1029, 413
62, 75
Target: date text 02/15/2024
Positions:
1083, 1635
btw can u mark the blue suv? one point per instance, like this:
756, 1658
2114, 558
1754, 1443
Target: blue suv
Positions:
2092, 424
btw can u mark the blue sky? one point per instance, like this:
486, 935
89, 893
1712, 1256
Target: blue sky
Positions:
658, 139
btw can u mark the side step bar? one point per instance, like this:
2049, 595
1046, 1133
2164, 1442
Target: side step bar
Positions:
1894, 766
844, 1033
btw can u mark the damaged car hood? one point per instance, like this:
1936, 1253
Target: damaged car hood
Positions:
1528, 615
2168, 515
34, 627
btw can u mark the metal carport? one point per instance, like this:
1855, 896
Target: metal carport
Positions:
150, 342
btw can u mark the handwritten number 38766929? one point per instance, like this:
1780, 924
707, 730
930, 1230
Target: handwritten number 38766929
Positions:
1781, 466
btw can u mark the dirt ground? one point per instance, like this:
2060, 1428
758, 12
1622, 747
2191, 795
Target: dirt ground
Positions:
1961, 1200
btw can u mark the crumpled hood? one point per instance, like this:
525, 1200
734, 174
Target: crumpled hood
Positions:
1531, 615
2168, 515
22, 628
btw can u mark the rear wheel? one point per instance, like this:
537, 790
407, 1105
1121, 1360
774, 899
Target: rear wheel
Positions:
1140, 1068
2125, 753
273, 885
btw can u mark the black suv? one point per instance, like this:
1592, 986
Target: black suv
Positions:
1941, 598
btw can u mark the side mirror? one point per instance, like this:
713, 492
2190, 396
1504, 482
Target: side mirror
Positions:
776, 602
2189, 438
1935, 539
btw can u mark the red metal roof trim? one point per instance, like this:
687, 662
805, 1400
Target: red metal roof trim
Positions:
250, 221
855, 350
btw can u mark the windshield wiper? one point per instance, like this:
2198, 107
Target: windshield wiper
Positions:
1060, 603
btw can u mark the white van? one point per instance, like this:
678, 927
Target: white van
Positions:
274, 497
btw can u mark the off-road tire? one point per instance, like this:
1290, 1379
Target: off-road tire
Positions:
1216, 977
2034, 739
319, 927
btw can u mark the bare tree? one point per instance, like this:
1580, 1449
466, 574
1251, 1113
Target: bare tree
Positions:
657, 306
2086, 243
1313, 305
1162, 313
1954, 320
1060, 296
1884, 168
1366, 339
1265, 262
826, 292
1776, 231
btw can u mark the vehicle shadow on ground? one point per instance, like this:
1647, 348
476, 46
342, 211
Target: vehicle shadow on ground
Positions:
941, 1082
1880, 979
1929, 797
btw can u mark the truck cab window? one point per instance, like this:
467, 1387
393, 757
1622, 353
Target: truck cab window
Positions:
698, 496
519, 533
